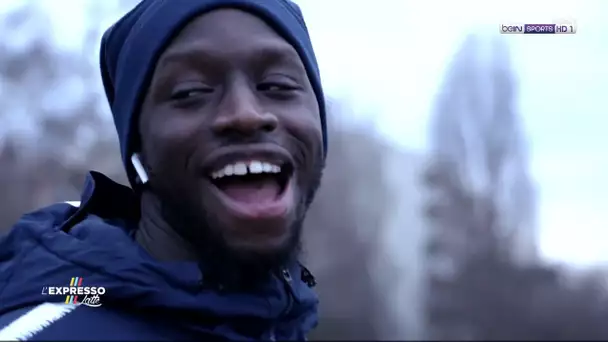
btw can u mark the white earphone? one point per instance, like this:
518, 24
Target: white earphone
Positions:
139, 168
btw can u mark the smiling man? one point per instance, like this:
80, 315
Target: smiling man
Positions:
219, 111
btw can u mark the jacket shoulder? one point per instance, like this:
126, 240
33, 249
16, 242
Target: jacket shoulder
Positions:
52, 215
22, 236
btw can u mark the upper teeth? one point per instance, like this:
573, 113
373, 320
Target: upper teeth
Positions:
243, 168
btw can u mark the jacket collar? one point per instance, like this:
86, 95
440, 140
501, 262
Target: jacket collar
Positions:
104, 197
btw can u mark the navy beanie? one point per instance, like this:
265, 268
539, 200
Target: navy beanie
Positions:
131, 47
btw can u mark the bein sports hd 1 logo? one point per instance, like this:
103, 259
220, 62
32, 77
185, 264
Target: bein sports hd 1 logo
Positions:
77, 293
560, 26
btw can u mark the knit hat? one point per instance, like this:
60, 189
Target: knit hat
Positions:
131, 47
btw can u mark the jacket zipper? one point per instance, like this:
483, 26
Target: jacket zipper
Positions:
286, 279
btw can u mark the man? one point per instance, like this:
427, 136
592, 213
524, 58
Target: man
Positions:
219, 111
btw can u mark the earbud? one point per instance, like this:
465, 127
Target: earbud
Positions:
139, 169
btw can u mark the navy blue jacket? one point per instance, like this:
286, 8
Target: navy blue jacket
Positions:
91, 247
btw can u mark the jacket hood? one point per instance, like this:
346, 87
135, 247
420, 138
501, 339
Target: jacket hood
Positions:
49, 247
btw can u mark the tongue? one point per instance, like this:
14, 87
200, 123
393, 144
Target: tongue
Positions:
252, 191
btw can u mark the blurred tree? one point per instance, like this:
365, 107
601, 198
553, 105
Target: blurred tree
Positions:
482, 204
477, 131
478, 175
55, 123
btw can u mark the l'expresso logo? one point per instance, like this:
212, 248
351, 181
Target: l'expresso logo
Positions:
77, 293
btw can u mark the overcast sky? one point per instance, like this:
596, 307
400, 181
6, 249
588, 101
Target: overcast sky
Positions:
388, 57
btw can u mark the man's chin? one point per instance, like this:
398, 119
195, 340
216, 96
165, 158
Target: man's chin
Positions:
272, 244
262, 247
255, 256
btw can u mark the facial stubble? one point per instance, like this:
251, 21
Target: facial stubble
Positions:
223, 263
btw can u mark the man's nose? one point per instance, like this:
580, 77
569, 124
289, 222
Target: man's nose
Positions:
241, 114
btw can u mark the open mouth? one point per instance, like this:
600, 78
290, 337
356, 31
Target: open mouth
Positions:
254, 188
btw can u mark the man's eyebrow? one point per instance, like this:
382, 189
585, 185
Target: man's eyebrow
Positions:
188, 56
266, 55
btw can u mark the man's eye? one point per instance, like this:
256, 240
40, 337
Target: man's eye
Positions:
275, 86
183, 94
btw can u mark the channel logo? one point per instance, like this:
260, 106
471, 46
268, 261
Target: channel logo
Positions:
559, 26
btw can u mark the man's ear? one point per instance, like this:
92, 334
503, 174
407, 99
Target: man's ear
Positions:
139, 169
